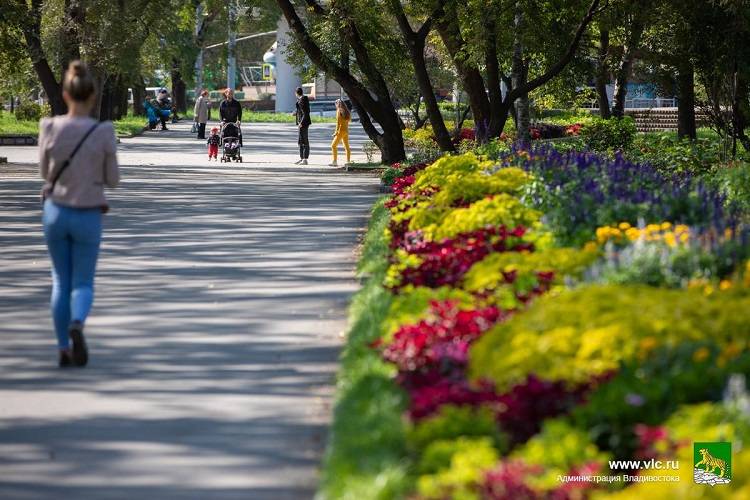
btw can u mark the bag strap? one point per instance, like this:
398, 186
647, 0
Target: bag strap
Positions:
67, 162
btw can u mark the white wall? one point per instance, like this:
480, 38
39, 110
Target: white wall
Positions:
286, 77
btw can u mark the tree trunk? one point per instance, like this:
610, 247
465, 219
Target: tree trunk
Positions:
107, 99
31, 34
391, 145
623, 69
686, 100
471, 78
518, 76
139, 95
416, 45
602, 75
741, 111
179, 94
73, 17
121, 101
380, 108
494, 91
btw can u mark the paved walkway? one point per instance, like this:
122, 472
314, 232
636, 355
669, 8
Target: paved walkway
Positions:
221, 296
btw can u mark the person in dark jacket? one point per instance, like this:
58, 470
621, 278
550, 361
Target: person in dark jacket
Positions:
230, 110
164, 103
302, 115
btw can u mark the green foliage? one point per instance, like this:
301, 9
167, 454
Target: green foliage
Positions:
451, 423
366, 450
486, 275
410, 305
608, 135
269, 117
459, 466
672, 155
558, 448
390, 175
648, 391
502, 209
129, 125
704, 422
734, 182
10, 125
577, 335
30, 111
492, 149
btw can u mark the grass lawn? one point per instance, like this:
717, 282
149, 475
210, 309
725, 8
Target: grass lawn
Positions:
270, 117
130, 124
9, 125
366, 451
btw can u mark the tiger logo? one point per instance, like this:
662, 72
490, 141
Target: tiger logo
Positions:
711, 463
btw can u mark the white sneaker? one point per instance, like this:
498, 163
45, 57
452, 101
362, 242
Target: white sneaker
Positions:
298, 162
333, 164
303, 162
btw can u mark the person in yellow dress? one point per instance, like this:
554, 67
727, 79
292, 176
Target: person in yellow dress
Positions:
343, 116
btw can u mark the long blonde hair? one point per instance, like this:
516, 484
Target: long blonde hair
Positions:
343, 109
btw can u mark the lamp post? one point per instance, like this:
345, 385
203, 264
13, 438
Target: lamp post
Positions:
231, 43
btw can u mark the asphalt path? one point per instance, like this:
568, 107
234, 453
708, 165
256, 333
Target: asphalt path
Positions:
220, 307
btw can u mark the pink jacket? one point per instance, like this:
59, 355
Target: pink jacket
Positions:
81, 185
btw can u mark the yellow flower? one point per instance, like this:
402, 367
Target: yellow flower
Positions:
670, 239
696, 283
624, 226
725, 285
633, 234
708, 290
648, 344
590, 246
701, 354
681, 228
684, 237
666, 225
653, 228
728, 233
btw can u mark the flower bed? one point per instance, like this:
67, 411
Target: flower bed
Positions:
540, 315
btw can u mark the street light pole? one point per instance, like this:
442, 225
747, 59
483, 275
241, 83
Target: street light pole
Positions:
231, 43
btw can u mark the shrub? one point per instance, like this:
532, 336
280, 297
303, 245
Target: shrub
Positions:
648, 390
558, 448
701, 422
453, 422
391, 173
607, 135
669, 256
669, 154
29, 111
578, 335
467, 460
578, 192
438, 263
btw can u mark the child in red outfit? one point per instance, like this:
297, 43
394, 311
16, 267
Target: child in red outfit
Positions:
213, 143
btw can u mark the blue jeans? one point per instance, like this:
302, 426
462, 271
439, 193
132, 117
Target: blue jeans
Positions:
73, 236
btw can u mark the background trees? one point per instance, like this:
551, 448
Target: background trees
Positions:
502, 57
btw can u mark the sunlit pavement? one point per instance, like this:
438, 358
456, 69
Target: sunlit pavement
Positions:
221, 300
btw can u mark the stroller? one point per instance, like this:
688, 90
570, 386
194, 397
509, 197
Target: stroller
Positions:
231, 142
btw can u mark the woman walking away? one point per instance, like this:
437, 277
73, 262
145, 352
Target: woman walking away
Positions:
343, 115
201, 113
77, 157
